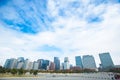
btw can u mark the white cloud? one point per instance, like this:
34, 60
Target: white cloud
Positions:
72, 34
90, 38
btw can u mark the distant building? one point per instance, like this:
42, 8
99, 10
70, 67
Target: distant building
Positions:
7, 63
35, 65
13, 63
26, 64
62, 66
10, 63
89, 62
78, 61
57, 63
106, 60
40, 62
45, 64
20, 59
66, 63
30, 66
117, 66
71, 66
20, 63
52, 66
75, 68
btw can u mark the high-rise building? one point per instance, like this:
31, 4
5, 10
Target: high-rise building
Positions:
62, 66
26, 64
13, 63
35, 65
40, 62
106, 60
57, 63
66, 59
78, 61
30, 65
20, 59
45, 64
10, 63
20, 63
52, 66
89, 62
66, 63
7, 63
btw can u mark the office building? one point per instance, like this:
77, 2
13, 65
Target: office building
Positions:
35, 65
57, 63
7, 63
13, 63
40, 62
30, 66
10, 63
66, 63
52, 66
26, 64
20, 59
78, 61
45, 64
89, 62
20, 62
62, 66
106, 60
20, 65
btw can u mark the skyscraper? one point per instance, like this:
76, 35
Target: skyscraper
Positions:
57, 63
89, 62
35, 65
20, 59
26, 64
7, 63
13, 63
66, 63
10, 63
45, 64
106, 60
78, 61
20, 65
62, 66
20, 62
52, 66
40, 61
30, 65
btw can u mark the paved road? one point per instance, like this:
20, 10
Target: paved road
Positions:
95, 76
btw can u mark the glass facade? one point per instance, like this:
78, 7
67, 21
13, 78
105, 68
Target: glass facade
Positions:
7, 63
78, 61
106, 60
57, 63
66, 63
89, 62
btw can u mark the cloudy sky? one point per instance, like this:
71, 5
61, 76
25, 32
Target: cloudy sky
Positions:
38, 29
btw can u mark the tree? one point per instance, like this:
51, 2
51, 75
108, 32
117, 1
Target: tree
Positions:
35, 72
13, 71
31, 71
2, 70
8, 70
20, 71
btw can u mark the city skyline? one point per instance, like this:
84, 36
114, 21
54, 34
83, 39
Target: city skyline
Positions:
86, 62
83, 62
43, 29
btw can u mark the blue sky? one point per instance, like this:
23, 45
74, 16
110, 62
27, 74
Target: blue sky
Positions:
46, 28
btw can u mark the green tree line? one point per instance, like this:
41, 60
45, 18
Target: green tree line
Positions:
17, 71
